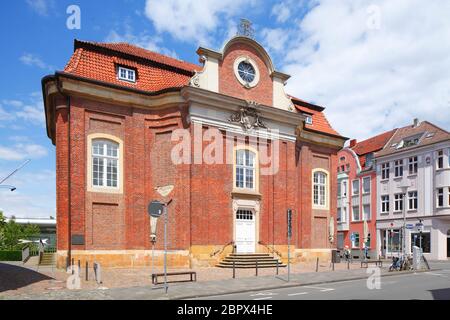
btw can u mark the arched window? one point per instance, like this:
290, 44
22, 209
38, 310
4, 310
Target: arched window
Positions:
105, 163
320, 189
245, 169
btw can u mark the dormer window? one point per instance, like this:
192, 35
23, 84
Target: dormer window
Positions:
126, 74
308, 120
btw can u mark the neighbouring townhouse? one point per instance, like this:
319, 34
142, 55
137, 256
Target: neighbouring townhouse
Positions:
126, 121
357, 195
413, 183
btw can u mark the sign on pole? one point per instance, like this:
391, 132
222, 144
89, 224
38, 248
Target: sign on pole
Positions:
289, 223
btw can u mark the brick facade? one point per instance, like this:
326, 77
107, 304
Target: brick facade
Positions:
115, 226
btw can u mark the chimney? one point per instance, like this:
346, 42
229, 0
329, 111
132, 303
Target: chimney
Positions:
415, 123
353, 143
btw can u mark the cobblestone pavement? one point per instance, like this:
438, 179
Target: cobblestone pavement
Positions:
17, 279
135, 283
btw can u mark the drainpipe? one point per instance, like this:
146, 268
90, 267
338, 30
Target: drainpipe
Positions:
69, 247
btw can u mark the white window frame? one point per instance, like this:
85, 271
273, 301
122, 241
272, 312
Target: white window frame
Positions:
440, 158
353, 213
385, 168
252, 168
367, 216
369, 184
130, 74
353, 187
440, 192
385, 204
398, 168
339, 214
322, 189
344, 188
344, 214
309, 120
413, 195
413, 162
103, 161
398, 202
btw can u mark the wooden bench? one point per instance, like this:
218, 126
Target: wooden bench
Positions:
192, 274
376, 262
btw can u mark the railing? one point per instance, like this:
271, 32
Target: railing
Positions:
222, 249
271, 249
25, 253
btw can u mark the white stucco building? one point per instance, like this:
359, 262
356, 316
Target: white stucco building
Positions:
417, 156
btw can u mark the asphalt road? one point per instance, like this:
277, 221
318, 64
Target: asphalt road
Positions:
434, 285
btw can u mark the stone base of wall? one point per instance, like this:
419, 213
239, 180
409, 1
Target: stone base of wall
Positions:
311, 255
125, 258
197, 257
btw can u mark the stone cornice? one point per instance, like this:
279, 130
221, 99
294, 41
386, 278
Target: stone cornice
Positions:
216, 100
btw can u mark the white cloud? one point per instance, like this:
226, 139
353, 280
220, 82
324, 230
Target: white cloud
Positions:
373, 78
281, 11
193, 20
30, 59
34, 196
30, 110
275, 39
143, 40
22, 151
41, 7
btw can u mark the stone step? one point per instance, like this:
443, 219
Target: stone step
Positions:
249, 258
249, 266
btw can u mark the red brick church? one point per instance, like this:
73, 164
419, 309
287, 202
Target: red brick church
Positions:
238, 150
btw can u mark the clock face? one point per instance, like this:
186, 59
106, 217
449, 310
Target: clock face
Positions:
246, 71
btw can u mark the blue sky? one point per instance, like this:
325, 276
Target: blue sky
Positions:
374, 65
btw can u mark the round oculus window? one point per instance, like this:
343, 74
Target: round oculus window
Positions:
246, 71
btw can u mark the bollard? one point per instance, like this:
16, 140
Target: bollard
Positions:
234, 271
79, 266
278, 262
87, 271
98, 273
333, 265
348, 265
317, 265
256, 267
71, 266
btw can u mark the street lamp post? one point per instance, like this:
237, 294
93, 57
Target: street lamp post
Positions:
404, 188
12, 188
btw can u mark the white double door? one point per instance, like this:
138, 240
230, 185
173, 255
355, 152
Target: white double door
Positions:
245, 231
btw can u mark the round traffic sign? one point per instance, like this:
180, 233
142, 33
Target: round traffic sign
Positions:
155, 208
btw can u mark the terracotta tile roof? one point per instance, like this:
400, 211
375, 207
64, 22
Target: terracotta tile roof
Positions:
319, 121
155, 72
373, 144
427, 133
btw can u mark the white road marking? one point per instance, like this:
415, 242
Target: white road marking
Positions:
263, 294
320, 288
297, 294
264, 298
436, 274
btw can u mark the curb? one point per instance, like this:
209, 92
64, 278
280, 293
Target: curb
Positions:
296, 284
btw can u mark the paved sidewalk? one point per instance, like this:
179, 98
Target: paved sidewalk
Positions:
207, 288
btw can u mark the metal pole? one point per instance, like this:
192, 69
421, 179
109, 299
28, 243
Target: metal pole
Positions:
317, 264
234, 270
87, 271
256, 267
165, 248
404, 227
289, 258
153, 257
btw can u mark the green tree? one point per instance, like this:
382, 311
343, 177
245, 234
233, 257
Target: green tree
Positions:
12, 232
2, 225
